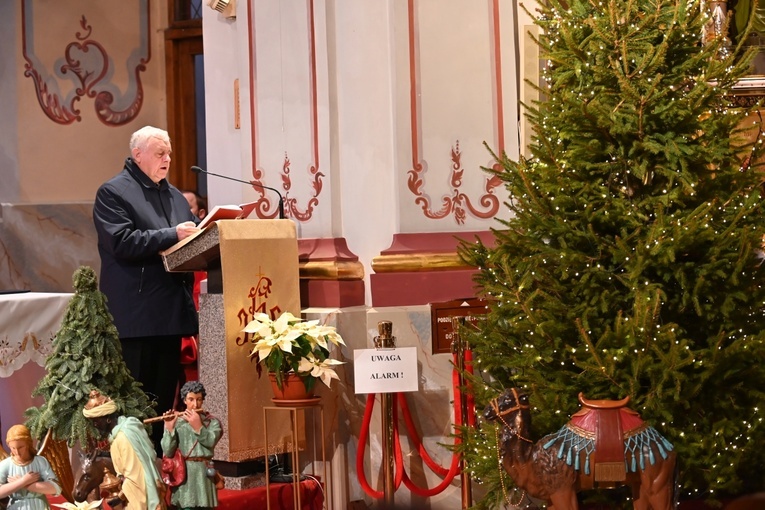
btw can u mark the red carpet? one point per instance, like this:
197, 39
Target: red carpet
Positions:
311, 497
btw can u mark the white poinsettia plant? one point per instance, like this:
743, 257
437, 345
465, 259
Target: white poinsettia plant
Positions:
290, 344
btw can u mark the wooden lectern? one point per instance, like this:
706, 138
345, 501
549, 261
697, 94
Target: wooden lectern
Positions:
252, 266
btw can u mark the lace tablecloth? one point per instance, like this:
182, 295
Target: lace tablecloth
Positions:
28, 323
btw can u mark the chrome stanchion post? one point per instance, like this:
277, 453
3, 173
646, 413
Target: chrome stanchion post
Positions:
386, 340
458, 348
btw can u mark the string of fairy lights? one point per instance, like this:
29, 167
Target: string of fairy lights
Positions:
716, 219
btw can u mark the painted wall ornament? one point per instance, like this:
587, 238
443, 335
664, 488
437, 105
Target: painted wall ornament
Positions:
457, 203
291, 205
294, 209
86, 69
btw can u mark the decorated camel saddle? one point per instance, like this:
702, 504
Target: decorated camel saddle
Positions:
607, 437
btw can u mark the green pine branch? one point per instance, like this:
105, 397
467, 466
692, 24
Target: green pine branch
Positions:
86, 355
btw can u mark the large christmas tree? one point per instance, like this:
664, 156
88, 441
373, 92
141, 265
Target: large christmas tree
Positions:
86, 355
632, 260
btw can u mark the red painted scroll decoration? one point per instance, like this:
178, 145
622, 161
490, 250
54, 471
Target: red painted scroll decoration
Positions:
458, 202
87, 65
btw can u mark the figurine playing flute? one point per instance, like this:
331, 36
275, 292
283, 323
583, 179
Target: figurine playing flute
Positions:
168, 415
194, 433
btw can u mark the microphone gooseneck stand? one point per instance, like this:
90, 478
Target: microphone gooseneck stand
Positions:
198, 170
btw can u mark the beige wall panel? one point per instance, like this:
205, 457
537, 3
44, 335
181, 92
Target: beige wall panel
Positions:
66, 159
455, 86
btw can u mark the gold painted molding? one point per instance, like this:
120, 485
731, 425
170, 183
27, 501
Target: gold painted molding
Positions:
331, 270
418, 262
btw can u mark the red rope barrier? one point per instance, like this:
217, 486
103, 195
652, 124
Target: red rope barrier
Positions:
440, 471
363, 434
426, 493
363, 446
400, 472
447, 474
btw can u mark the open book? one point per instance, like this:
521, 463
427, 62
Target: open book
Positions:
227, 212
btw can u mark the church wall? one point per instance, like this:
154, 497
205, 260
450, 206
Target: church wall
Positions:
65, 146
370, 118
389, 101
83, 76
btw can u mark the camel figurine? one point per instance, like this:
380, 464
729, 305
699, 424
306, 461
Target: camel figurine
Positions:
604, 445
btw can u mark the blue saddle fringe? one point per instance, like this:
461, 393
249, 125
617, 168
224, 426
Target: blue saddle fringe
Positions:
571, 445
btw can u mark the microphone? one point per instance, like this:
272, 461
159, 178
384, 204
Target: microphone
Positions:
198, 170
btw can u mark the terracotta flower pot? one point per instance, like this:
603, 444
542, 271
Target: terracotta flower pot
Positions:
293, 388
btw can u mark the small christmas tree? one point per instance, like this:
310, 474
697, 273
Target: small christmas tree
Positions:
87, 355
632, 261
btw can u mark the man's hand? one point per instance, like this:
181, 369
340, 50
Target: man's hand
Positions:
191, 416
170, 418
186, 229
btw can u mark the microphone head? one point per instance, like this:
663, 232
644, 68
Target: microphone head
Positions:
196, 169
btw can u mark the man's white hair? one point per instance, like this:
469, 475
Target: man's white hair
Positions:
140, 138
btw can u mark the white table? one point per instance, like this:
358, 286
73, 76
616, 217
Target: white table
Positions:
28, 323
